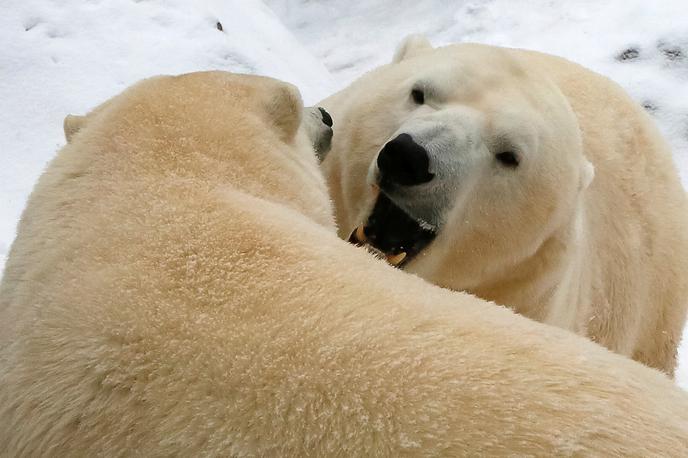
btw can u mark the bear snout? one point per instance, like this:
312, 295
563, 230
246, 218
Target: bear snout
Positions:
318, 123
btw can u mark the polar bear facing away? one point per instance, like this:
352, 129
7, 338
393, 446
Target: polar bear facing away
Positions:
177, 289
524, 179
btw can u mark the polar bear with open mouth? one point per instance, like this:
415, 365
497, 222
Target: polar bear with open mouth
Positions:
524, 179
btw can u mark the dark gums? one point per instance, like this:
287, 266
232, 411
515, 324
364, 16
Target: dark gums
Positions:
391, 230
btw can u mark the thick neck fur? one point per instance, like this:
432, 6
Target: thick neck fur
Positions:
540, 285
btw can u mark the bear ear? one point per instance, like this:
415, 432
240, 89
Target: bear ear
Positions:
411, 46
72, 124
587, 174
283, 107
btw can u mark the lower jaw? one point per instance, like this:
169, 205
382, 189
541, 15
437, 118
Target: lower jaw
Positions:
392, 234
359, 238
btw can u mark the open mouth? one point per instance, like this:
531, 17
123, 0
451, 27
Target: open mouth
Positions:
390, 230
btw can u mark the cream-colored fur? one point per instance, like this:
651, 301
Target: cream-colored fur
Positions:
177, 288
589, 233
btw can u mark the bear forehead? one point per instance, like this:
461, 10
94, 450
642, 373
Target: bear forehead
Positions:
470, 71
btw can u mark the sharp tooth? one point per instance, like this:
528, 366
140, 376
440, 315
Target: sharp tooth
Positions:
396, 259
360, 234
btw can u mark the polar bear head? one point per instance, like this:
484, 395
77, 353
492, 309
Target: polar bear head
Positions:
255, 129
456, 151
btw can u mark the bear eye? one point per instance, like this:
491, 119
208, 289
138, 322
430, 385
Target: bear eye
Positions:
418, 96
508, 158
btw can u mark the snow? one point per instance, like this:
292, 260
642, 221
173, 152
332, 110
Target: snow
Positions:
66, 56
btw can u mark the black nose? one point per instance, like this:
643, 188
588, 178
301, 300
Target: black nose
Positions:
404, 162
326, 118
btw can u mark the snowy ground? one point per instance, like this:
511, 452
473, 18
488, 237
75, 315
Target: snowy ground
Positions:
65, 56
